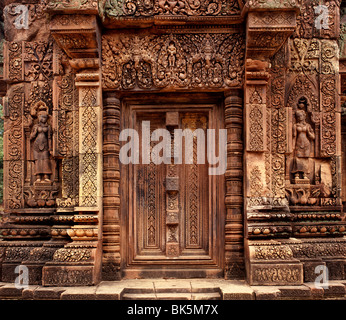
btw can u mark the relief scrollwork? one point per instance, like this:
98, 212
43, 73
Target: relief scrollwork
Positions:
58, 5
312, 100
151, 8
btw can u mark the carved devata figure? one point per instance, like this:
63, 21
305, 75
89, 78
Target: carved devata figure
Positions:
303, 135
41, 135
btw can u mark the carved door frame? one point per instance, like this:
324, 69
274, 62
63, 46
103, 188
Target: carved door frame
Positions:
213, 267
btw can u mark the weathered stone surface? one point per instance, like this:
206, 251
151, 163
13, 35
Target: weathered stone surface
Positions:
237, 291
109, 291
45, 293
217, 290
316, 292
79, 293
266, 292
296, 292
334, 289
8, 290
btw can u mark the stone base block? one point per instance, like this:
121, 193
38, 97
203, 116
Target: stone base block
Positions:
336, 268
271, 274
35, 273
309, 270
111, 271
235, 271
67, 275
8, 272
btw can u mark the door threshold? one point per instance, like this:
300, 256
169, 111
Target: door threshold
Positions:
169, 273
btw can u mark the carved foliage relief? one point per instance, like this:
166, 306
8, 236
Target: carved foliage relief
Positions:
89, 147
314, 71
310, 16
186, 61
65, 5
13, 164
312, 103
67, 140
28, 115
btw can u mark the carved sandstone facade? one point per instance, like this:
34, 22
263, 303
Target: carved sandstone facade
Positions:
84, 70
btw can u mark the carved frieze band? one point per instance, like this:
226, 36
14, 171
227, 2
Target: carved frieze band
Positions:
167, 9
72, 6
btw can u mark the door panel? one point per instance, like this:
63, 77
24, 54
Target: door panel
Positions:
172, 212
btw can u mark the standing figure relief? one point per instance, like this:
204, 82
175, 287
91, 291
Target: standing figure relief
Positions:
303, 135
41, 134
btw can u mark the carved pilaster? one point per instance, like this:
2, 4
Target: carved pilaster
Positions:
172, 192
234, 249
78, 262
30, 170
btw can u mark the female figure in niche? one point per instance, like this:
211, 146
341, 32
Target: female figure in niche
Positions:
41, 134
303, 134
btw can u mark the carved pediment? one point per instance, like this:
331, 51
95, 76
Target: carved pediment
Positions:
179, 61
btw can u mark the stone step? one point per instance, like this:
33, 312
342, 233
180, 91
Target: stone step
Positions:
206, 296
138, 296
172, 296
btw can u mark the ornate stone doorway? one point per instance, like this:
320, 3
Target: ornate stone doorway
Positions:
172, 213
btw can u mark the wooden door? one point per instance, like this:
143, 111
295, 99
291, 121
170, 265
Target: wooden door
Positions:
172, 208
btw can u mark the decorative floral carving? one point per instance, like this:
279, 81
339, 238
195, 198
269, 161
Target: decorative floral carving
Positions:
273, 253
72, 255
306, 20
13, 169
151, 8
65, 5
256, 116
89, 145
318, 250
268, 274
38, 55
256, 185
70, 277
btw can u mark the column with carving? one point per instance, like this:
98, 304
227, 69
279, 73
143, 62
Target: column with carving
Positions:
234, 238
77, 34
111, 183
268, 219
30, 168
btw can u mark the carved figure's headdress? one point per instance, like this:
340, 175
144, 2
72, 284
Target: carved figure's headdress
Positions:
38, 108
